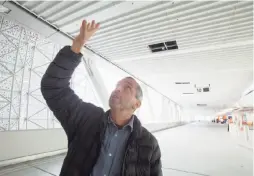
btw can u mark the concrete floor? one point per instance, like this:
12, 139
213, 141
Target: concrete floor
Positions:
198, 149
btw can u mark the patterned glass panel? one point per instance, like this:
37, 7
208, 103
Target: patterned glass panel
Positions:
24, 58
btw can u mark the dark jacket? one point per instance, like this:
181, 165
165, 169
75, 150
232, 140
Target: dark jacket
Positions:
85, 124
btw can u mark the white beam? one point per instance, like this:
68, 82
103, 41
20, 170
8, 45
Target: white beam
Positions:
89, 61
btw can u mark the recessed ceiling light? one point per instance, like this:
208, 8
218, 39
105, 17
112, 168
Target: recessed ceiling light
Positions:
182, 82
4, 9
201, 104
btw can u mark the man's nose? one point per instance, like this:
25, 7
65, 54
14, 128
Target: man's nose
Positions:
119, 89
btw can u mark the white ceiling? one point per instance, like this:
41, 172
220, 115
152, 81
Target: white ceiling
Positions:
215, 40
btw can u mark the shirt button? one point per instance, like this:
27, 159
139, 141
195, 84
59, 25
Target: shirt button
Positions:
110, 154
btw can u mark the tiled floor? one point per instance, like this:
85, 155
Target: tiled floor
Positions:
198, 149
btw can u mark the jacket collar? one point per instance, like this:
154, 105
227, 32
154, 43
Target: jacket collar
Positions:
137, 128
129, 124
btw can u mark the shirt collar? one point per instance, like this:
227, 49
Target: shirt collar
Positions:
130, 123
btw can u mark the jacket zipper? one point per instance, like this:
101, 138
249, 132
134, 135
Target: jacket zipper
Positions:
123, 166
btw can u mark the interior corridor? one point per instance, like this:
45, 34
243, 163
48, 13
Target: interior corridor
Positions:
192, 60
196, 149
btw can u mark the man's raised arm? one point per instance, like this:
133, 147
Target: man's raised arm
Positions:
68, 108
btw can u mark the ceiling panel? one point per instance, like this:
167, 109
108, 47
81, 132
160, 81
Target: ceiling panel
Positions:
212, 60
215, 40
193, 31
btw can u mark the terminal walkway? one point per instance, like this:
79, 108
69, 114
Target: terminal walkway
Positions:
198, 149
204, 149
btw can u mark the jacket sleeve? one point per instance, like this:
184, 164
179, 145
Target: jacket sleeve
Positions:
67, 107
155, 168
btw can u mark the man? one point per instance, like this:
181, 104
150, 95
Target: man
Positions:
111, 143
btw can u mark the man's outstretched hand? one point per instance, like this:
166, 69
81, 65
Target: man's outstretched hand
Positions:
86, 32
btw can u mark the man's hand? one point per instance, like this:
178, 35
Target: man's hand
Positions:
86, 32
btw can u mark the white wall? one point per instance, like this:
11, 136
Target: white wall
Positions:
19, 146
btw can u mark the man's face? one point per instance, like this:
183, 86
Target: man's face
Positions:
124, 95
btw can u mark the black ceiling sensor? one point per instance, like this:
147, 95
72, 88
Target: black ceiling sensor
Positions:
206, 89
165, 46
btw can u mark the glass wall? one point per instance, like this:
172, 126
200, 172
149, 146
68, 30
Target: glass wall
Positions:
24, 58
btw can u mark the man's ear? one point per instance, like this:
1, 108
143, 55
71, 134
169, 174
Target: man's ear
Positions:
138, 104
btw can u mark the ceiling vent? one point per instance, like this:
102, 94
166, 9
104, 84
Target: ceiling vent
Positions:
158, 47
188, 93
